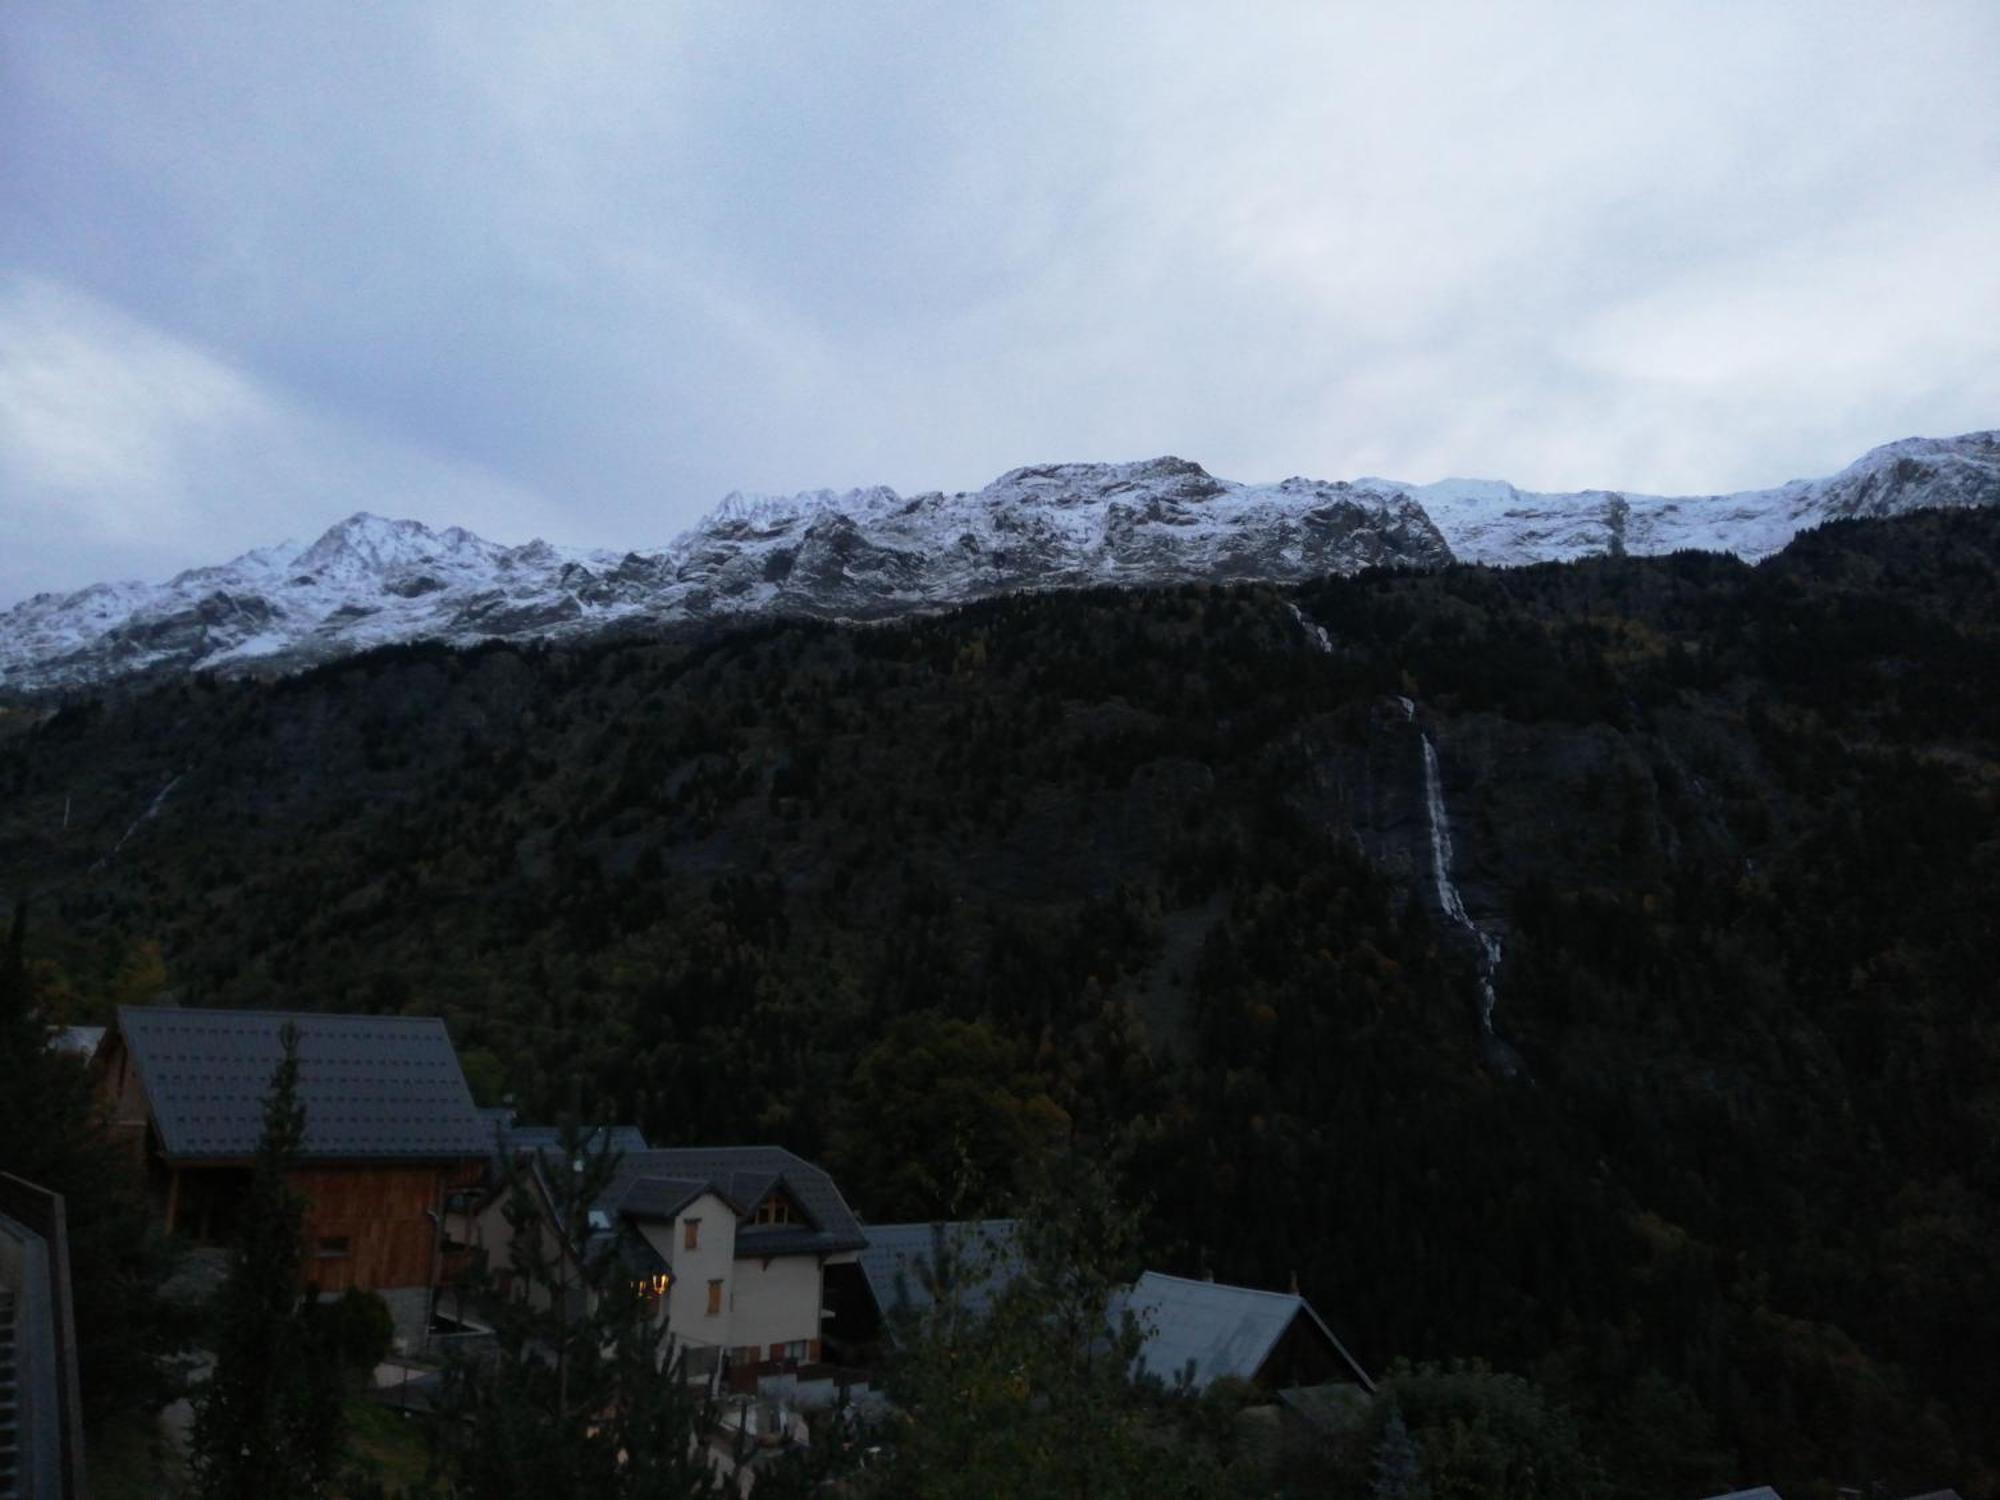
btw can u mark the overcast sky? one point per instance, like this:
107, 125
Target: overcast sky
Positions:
578, 270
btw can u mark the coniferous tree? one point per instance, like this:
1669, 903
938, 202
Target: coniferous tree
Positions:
1398, 1475
1034, 1394
582, 1398
51, 1134
268, 1421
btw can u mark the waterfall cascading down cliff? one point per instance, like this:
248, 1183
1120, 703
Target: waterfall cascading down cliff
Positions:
1438, 820
1449, 899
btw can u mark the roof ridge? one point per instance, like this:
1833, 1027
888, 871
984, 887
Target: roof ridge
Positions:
1227, 1286
258, 1012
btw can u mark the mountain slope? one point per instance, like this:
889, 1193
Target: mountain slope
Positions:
1175, 856
368, 581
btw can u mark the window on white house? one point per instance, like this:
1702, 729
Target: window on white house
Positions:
715, 1298
690, 1233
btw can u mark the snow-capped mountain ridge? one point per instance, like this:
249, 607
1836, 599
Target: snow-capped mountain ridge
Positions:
369, 580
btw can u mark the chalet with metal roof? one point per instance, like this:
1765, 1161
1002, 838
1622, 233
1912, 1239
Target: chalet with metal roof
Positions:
390, 1130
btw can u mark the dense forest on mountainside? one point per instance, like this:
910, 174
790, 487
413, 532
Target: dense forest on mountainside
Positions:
1151, 871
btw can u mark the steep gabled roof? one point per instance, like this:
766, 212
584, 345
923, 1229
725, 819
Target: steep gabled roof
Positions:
1216, 1330
901, 1262
375, 1088
658, 1183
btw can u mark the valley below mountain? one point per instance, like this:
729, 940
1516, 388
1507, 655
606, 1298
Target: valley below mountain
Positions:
1582, 967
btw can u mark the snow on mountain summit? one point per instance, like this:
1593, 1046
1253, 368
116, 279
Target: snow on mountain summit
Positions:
370, 580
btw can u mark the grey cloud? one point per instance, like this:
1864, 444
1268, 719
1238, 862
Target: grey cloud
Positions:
585, 269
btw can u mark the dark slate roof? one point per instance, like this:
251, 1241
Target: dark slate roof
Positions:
1215, 1329
653, 1197
657, 1184
375, 1088
900, 1261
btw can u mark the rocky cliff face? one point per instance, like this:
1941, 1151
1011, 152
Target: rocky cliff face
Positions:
369, 581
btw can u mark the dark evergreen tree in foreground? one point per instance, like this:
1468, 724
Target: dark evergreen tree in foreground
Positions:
581, 1399
268, 1421
1398, 1473
128, 1336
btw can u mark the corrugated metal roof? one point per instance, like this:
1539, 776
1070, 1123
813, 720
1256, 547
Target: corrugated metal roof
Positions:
1214, 1330
374, 1088
901, 1261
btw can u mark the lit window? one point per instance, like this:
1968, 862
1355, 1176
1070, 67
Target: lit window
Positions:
714, 1298
690, 1233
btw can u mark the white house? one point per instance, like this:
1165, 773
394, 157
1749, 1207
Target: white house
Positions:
736, 1240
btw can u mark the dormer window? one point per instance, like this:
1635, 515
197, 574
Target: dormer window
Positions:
774, 1210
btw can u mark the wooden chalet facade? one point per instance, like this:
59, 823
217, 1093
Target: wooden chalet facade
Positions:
390, 1132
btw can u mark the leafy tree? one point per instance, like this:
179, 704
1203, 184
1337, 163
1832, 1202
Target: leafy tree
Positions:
581, 1399
939, 1117
1483, 1435
268, 1420
485, 1075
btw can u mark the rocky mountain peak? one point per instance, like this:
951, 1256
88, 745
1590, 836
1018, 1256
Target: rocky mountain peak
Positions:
370, 580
